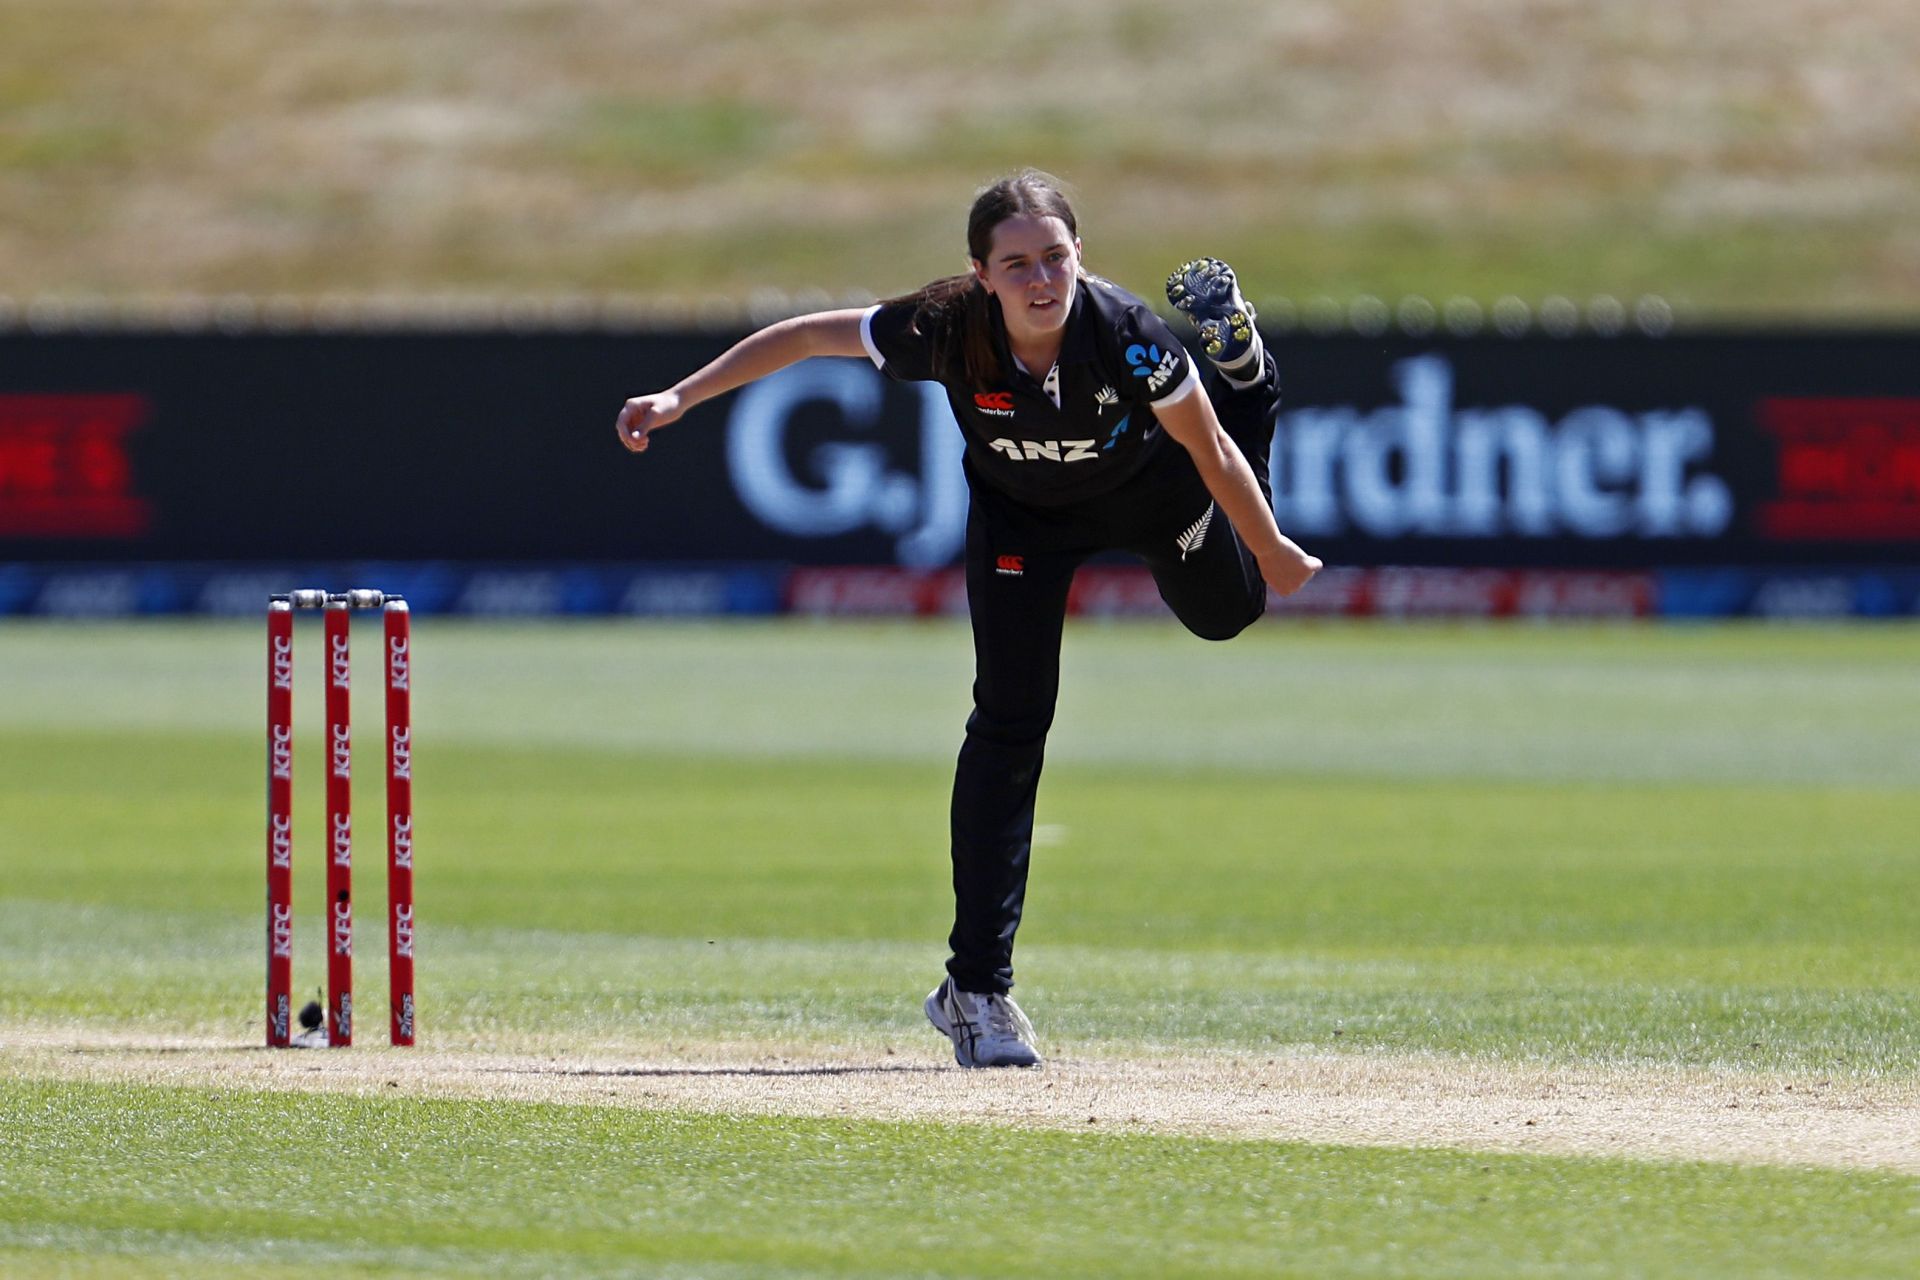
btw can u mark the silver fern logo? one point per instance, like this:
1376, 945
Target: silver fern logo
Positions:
1105, 398
1196, 533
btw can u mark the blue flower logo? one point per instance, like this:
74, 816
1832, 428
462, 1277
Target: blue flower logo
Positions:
1143, 359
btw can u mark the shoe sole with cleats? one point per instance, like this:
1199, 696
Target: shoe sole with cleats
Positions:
1206, 290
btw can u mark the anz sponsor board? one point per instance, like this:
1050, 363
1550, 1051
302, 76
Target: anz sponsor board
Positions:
1790, 593
862, 591
1422, 592
1343, 589
1117, 591
480, 590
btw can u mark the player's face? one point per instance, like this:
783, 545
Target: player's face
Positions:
1033, 268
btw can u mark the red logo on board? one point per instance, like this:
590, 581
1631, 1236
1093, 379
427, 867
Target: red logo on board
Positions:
64, 467
1849, 468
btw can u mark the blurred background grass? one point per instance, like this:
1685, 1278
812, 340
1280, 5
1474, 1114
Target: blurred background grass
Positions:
1753, 163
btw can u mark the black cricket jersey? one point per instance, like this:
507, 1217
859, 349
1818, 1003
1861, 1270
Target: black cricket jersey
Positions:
1060, 436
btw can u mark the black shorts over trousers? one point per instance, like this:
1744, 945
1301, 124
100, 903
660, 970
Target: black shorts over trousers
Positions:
1020, 563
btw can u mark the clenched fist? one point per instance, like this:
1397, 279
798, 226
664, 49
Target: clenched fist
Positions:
642, 414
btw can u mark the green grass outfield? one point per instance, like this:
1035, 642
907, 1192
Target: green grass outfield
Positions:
1655, 853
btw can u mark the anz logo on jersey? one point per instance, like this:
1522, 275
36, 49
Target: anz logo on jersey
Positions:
1149, 363
1050, 450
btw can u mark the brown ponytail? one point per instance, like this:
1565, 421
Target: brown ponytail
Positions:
958, 306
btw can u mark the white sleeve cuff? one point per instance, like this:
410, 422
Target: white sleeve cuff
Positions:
1188, 385
866, 338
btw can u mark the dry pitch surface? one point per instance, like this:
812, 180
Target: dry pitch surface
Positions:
1669, 1114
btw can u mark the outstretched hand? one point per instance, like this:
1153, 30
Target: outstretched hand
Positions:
1290, 571
640, 415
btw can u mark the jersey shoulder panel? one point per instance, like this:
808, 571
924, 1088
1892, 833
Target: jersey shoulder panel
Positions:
904, 340
1153, 364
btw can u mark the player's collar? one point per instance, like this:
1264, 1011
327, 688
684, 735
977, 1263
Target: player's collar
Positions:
1076, 345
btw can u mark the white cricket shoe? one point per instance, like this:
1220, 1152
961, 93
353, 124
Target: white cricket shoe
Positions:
987, 1030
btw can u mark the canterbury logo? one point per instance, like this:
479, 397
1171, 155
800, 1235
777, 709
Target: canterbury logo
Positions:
997, 403
1012, 566
1196, 533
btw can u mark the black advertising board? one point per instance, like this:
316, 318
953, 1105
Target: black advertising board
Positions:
1627, 453
1697, 450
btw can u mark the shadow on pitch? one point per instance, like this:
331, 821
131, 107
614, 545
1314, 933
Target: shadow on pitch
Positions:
691, 1072
584, 1073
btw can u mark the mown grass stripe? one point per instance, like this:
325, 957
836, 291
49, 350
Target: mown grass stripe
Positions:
590, 1186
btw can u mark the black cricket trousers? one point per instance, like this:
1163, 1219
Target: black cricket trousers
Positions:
1020, 563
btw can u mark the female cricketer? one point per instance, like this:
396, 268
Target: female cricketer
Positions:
1088, 429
